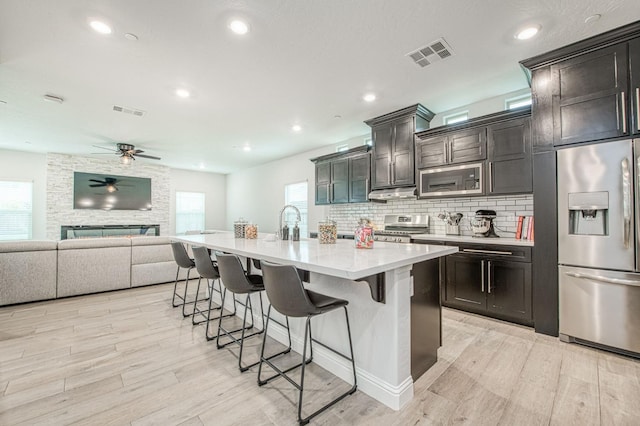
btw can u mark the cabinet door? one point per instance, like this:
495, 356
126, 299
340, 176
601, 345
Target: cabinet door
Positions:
432, 152
340, 181
589, 96
464, 284
359, 171
510, 161
509, 290
468, 145
382, 138
403, 171
634, 69
323, 180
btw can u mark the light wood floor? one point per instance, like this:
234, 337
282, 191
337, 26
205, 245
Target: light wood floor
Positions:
129, 358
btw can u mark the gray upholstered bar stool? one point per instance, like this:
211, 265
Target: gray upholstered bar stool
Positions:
208, 270
183, 260
289, 297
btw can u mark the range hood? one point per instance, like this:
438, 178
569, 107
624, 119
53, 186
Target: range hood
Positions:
382, 195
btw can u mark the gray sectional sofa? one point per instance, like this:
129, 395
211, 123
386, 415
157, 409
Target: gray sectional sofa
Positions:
39, 270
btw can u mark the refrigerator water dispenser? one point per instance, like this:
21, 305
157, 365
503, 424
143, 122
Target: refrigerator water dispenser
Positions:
588, 213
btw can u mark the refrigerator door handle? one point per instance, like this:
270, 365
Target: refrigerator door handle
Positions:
626, 202
603, 279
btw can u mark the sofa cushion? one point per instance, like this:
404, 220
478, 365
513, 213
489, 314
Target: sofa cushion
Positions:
150, 241
27, 245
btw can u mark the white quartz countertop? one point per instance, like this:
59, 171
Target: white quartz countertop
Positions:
340, 260
505, 241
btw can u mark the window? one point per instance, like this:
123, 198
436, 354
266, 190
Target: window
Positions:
517, 102
368, 142
343, 147
458, 117
189, 212
16, 205
296, 195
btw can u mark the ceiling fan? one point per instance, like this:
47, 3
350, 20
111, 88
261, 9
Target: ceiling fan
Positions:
127, 152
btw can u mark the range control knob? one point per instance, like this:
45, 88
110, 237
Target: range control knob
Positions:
398, 240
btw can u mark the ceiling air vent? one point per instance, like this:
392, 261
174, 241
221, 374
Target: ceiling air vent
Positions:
433, 52
132, 111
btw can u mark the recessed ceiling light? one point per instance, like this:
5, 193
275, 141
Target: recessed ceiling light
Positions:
131, 36
182, 93
296, 128
239, 27
100, 27
528, 32
246, 148
369, 97
201, 166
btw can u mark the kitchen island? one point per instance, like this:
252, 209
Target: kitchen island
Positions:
379, 285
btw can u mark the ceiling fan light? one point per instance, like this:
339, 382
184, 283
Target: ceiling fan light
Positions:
125, 160
111, 188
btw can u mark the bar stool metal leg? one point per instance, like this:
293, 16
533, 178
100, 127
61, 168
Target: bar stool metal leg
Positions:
175, 288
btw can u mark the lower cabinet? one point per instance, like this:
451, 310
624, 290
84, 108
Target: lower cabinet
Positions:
490, 280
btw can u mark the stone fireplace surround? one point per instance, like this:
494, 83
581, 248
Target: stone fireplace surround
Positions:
107, 231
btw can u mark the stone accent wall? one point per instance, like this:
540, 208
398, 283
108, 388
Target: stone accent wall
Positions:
60, 211
507, 208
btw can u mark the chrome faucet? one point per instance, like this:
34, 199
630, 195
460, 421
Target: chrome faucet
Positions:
279, 231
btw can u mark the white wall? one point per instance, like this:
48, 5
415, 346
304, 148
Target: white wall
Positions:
214, 187
27, 166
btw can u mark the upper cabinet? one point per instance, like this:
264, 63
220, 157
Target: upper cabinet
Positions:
456, 147
343, 177
509, 158
587, 91
589, 96
393, 156
500, 142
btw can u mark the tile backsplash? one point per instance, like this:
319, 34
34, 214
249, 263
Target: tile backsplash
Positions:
507, 208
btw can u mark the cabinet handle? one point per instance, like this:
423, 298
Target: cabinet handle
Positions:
482, 276
624, 113
637, 108
331, 193
489, 276
506, 253
490, 176
389, 171
393, 172
450, 152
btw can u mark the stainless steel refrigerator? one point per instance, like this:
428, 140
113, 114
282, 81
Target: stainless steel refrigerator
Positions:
598, 244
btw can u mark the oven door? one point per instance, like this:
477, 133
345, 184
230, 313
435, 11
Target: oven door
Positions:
454, 180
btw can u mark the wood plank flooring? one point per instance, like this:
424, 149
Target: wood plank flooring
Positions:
129, 358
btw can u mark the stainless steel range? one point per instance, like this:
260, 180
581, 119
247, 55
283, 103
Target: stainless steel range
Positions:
399, 228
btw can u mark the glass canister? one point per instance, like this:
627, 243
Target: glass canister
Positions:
251, 231
327, 231
363, 235
239, 227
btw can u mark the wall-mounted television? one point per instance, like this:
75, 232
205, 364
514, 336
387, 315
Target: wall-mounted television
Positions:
110, 192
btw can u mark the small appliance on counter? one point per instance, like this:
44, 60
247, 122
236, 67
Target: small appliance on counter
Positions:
482, 224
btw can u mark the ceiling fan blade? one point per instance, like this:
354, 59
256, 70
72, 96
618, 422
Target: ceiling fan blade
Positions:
148, 156
95, 186
102, 147
96, 180
137, 151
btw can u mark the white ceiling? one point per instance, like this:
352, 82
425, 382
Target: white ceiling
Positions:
302, 62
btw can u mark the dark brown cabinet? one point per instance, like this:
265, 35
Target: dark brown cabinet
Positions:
359, 173
490, 280
510, 157
456, 147
343, 177
393, 155
589, 96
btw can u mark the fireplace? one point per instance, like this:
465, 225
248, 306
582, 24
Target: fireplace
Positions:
108, 231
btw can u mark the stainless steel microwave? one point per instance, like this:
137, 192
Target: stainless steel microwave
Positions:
463, 179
